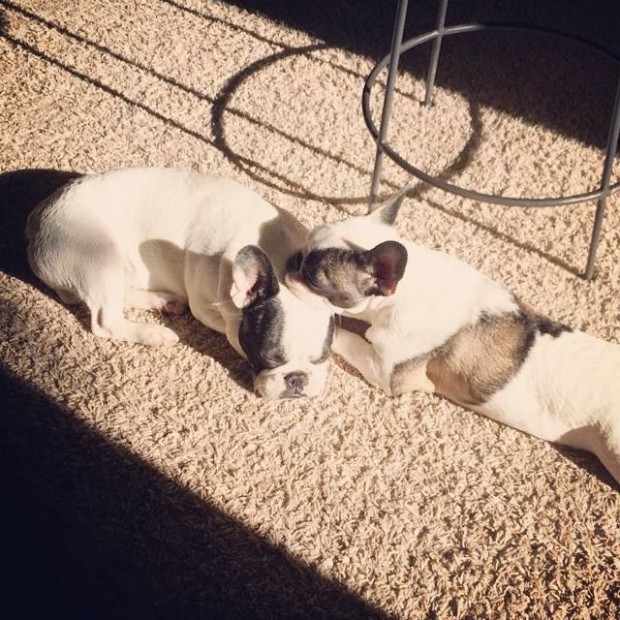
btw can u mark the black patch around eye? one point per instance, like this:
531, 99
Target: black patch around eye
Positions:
331, 273
308, 271
323, 270
294, 262
260, 334
319, 264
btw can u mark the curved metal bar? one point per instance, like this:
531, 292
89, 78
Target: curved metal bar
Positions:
508, 201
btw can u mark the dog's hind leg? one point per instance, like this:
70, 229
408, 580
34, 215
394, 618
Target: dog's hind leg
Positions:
168, 303
68, 298
107, 321
608, 451
602, 442
103, 289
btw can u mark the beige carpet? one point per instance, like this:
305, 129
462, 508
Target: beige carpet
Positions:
148, 483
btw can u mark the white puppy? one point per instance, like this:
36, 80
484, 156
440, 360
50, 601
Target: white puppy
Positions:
439, 326
161, 238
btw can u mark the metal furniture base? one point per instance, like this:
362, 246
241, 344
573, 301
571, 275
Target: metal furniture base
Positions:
436, 36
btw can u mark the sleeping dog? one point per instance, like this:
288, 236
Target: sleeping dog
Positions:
161, 238
439, 326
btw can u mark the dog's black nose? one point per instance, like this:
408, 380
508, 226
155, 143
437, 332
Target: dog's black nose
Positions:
295, 383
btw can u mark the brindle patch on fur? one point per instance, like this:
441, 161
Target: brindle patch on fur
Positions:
551, 327
411, 376
478, 360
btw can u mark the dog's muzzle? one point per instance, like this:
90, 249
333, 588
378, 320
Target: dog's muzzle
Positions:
296, 381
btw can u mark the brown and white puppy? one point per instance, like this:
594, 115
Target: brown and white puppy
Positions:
438, 325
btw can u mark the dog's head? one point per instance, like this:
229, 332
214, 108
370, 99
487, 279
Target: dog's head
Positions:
286, 341
347, 263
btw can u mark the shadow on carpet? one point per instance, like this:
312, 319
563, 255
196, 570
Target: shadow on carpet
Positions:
94, 532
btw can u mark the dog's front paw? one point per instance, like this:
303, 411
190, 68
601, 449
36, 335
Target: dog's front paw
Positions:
157, 335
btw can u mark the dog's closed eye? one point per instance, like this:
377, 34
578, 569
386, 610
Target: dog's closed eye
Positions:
309, 274
309, 280
295, 262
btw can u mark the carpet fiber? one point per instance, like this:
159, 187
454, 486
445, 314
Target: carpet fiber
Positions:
151, 483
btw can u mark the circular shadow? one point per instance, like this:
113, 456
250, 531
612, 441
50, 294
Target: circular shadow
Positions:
279, 182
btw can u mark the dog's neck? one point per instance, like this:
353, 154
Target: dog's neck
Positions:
434, 285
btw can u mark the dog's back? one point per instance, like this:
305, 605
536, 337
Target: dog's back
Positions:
136, 205
567, 391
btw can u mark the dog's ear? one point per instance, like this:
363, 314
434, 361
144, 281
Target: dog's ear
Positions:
386, 212
254, 278
386, 264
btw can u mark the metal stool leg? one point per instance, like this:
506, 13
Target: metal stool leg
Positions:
432, 69
397, 39
601, 194
612, 145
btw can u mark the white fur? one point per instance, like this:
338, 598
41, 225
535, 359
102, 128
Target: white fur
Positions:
159, 238
568, 392
568, 389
